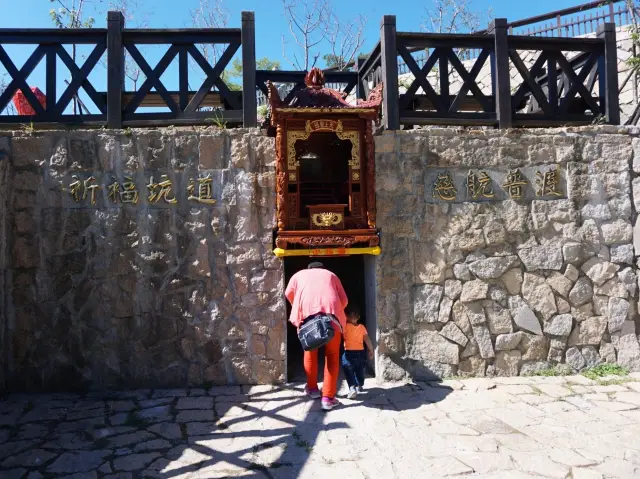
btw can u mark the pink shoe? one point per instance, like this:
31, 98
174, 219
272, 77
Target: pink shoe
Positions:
312, 393
329, 403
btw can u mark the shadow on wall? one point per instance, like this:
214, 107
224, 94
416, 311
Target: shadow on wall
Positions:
274, 432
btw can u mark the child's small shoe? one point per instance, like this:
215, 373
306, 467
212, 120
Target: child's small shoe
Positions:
312, 393
353, 392
329, 403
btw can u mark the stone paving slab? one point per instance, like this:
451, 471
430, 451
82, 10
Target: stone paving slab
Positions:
525, 427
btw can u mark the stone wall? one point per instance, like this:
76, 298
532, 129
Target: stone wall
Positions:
506, 287
152, 294
4, 200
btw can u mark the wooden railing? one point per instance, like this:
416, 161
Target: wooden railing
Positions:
562, 81
118, 107
569, 22
50, 46
552, 89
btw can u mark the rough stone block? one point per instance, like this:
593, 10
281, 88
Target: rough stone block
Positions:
429, 264
453, 333
445, 310
588, 332
430, 346
499, 319
507, 342
427, 303
613, 288
538, 295
542, 257
574, 253
599, 270
535, 348
628, 348
559, 325
512, 280
474, 367
461, 271
507, 363
616, 232
575, 359
452, 288
523, 316
483, 339
560, 283
492, 268
474, 290
572, 273
591, 356
581, 293
607, 353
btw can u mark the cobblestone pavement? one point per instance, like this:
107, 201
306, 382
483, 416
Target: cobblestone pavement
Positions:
510, 428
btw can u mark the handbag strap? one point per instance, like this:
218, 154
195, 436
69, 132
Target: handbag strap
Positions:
335, 320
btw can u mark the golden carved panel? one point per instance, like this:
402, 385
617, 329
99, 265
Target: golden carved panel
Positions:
294, 135
354, 137
326, 220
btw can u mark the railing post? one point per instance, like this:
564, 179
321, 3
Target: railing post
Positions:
249, 101
359, 90
607, 31
612, 17
115, 69
501, 77
389, 54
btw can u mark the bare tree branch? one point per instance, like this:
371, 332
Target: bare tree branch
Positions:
210, 14
345, 40
453, 16
307, 21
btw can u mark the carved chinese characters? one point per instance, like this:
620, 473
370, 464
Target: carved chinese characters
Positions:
456, 186
514, 183
444, 187
154, 189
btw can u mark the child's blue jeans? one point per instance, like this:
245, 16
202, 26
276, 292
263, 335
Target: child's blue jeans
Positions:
353, 363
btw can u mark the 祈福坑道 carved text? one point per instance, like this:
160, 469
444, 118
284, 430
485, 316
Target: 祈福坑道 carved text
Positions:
158, 189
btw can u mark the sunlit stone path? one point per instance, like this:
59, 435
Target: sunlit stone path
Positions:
564, 427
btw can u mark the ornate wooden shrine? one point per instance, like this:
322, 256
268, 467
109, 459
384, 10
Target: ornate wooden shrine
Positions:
325, 185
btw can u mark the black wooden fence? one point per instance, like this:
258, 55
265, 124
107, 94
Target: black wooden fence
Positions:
568, 81
565, 81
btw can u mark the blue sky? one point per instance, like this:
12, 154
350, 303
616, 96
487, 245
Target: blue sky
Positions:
270, 26
270, 23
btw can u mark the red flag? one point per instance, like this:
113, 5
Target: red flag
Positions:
23, 106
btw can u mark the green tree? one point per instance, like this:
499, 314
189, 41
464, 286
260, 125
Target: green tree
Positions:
333, 61
263, 63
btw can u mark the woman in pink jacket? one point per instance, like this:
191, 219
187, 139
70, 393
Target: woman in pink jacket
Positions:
314, 291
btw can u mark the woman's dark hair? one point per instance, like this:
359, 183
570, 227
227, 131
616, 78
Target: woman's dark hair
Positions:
315, 265
352, 309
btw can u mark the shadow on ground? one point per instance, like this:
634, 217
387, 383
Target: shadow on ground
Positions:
273, 433
228, 431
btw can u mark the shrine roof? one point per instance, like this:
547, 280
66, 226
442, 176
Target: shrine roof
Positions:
316, 96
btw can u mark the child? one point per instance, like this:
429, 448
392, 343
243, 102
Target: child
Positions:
354, 357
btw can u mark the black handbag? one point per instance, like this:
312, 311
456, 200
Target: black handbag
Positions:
316, 331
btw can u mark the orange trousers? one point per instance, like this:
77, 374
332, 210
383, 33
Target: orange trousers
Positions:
331, 367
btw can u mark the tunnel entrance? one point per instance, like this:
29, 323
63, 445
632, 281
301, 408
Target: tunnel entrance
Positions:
357, 274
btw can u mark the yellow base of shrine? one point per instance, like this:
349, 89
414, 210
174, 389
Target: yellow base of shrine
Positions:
281, 253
